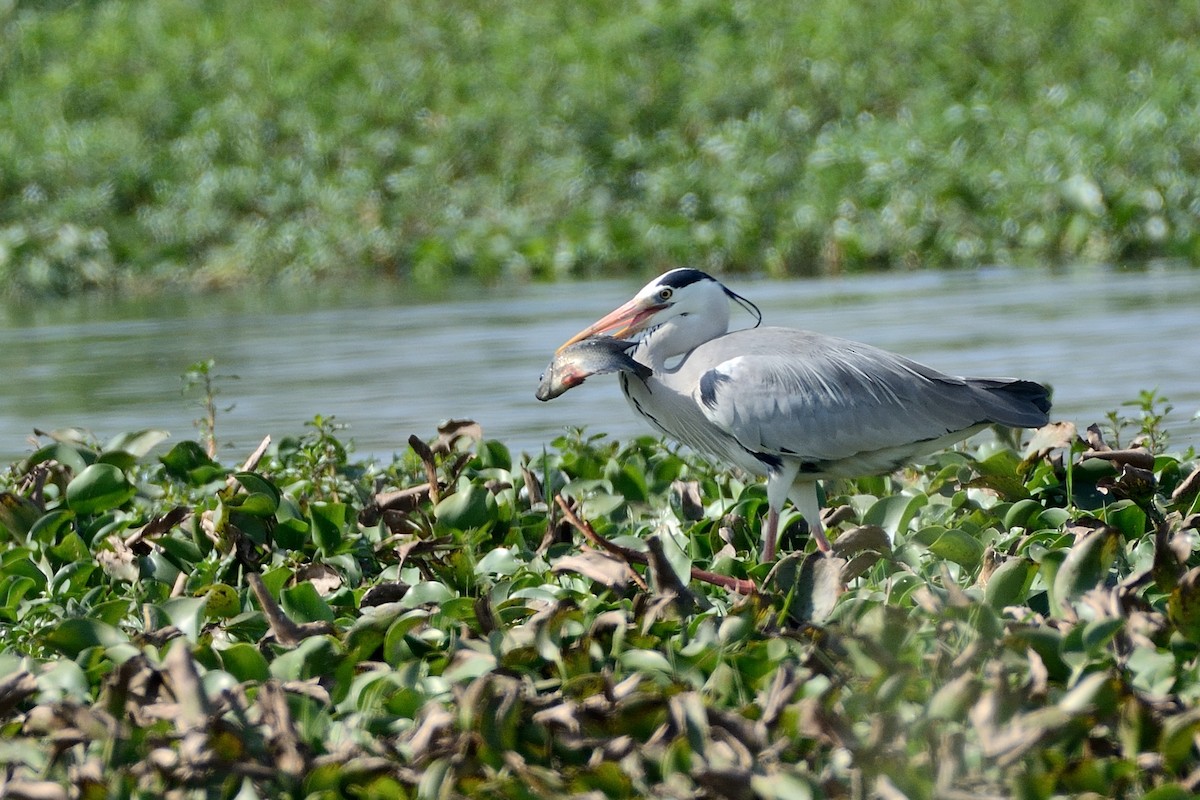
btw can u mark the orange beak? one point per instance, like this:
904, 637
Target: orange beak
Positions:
623, 323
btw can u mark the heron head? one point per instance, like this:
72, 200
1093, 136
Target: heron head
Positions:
684, 303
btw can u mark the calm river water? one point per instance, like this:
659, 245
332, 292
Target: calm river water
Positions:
389, 366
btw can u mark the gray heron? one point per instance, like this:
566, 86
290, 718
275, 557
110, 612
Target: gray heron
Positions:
790, 405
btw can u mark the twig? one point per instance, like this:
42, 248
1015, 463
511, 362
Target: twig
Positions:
739, 585
426, 455
1189, 485
257, 455
285, 630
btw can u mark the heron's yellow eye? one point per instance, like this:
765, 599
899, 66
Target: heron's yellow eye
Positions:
664, 294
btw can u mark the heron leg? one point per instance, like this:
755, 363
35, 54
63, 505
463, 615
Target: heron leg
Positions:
779, 483
770, 534
808, 503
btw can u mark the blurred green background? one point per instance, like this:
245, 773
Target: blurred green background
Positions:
166, 143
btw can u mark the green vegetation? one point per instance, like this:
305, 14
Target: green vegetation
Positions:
991, 624
166, 142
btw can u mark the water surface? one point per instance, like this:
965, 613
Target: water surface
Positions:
390, 366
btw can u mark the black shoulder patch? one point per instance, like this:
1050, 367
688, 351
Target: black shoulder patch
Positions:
709, 382
684, 276
772, 461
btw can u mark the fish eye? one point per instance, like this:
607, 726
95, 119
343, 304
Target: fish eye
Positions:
664, 294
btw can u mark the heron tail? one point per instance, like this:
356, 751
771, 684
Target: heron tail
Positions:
1016, 403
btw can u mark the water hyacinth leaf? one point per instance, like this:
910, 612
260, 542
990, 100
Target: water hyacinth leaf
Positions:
958, 546
189, 462
472, 506
315, 657
99, 488
1153, 671
894, 513
71, 577
426, 592
292, 534
1050, 518
20, 561
811, 583
254, 483
257, 504
499, 561
646, 661
1020, 513
18, 514
1128, 518
49, 526
493, 454
1183, 605
433, 778
182, 551
11, 594
63, 679
1009, 583
73, 459
627, 480
72, 636
245, 662
222, 599
1178, 740
136, 443
1169, 791
186, 613
601, 505
954, 698
782, 787
328, 522
1086, 565
303, 604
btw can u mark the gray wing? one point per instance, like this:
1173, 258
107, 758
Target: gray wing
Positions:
796, 393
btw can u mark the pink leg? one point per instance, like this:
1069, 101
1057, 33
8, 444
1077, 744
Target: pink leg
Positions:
769, 536
815, 527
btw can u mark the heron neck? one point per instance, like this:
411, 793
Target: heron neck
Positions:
680, 336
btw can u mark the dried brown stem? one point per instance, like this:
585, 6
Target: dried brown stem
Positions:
285, 630
426, 455
739, 585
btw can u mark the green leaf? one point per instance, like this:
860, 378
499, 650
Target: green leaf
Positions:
70, 457
426, 592
646, 661
99, 488
257, 504
1009, 583
18, 515
222, 599
315, 657
1169, 791
72, 636
244, 662
49, 526
893, 513
136, 443
303, 604
1128, 518
472, 506
499, 561
12, 591
328, 520
1086, 565
189, 462
186, 613
958, 546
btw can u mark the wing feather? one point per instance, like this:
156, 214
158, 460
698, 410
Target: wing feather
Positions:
797, 393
